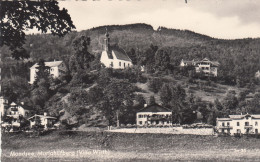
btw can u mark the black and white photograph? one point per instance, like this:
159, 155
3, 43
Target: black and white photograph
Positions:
130, 80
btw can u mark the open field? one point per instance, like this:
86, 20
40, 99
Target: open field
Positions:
108, 146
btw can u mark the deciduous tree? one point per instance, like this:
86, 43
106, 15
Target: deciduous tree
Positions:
18, 16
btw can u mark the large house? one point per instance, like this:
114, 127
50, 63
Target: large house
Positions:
16, 110
56, 68
154, 115
44, 120
241, 124
209, 68
114, 57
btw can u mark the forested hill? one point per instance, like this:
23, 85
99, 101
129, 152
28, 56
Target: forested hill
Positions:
137, 36
89, 92
236, 57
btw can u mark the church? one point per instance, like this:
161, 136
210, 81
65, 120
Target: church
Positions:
114, 57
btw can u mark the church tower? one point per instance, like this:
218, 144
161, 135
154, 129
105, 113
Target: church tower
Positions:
107, 39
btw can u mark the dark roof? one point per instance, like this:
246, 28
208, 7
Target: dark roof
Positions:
24, 106
119, 53
246, 115
155, 108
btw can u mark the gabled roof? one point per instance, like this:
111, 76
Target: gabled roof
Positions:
242, 116
119, 53
42, 116
213, 63
154, 108
26, 107
49, 64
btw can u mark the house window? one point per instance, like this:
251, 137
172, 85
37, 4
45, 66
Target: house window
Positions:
124, 64
119, 63
256, 124
246, 123
238, 124
140, 122
227, 123
139, 116
223, 124
238, 131
111, 64
256, 131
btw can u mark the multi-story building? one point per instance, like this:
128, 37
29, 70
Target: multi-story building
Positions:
44, 120
16, 110
56, 68
154, 115
241, 124
114, 57
207, 67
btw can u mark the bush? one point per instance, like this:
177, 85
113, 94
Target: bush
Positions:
155, 84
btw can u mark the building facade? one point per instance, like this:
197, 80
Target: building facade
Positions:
56, 68
114, 57
45, 121
3, 105
154, 115
207, 67
241, 124
16, 110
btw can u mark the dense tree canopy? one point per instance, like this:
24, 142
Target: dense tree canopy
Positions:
18, 16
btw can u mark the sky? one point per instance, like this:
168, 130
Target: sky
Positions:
226, 19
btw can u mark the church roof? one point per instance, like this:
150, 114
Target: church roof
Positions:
49, 64
119, 53
154, 108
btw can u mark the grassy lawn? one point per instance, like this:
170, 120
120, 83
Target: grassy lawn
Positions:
107, 146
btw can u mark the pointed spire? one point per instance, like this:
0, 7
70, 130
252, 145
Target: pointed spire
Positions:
107, 35
106, 46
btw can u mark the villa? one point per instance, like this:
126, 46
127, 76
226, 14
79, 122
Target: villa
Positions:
154, 115
207, 67
56, 68
240, 124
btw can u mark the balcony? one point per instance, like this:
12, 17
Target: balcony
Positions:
248, 126
225, 127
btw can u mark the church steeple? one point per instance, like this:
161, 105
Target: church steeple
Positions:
107, 39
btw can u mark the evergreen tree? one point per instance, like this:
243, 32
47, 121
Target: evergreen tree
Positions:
42, 72
152, 100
